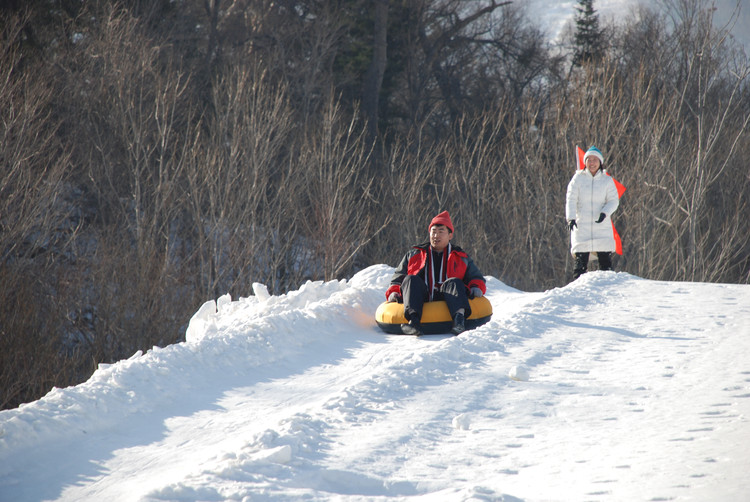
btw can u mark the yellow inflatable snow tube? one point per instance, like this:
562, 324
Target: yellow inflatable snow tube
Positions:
435, 316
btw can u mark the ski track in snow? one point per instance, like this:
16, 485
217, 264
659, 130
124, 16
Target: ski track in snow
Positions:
636, 390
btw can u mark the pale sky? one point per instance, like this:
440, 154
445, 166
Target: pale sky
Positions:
555, 15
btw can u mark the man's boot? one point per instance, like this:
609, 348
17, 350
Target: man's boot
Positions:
458, 324
414, 327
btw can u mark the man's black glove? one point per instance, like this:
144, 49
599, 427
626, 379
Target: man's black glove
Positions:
572, 224
601, 217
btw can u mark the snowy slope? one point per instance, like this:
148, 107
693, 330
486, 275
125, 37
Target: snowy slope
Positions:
634, 390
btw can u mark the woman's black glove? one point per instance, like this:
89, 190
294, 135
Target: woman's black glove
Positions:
601, 217
572, 224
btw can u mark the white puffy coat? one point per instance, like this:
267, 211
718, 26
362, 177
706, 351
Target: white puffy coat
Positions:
586, 198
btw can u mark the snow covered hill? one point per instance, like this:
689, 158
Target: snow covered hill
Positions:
611, 388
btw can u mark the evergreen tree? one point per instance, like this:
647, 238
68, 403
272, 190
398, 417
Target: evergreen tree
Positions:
589, 38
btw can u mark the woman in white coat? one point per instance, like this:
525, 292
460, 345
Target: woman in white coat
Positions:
590, 201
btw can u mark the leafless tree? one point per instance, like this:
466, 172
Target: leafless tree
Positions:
37, 225
342, 211
238, 185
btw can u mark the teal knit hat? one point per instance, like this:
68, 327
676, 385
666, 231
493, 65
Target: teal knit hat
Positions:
595, 152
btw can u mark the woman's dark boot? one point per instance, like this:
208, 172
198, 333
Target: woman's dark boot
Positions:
582, 263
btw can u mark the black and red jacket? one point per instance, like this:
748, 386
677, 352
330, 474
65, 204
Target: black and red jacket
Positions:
459, 265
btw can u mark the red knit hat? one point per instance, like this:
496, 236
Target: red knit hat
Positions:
442, 219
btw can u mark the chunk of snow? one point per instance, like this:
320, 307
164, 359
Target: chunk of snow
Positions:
462, 422
261, 291
201, 322
519, 373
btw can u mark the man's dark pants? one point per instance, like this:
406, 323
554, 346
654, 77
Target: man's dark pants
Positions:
414, 292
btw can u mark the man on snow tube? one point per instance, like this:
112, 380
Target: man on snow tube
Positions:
432, 271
